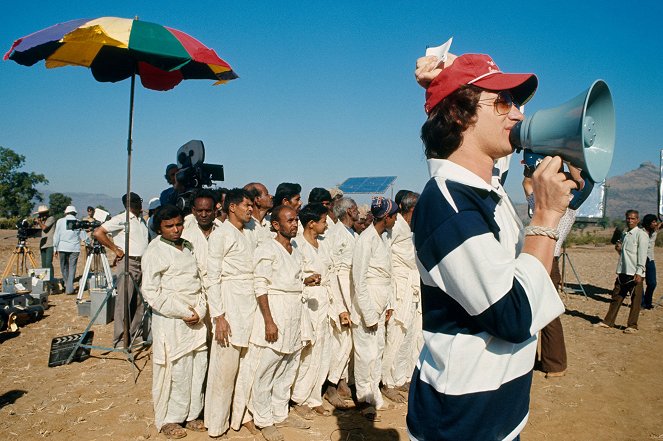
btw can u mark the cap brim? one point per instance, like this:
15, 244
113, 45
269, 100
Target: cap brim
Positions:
521, 86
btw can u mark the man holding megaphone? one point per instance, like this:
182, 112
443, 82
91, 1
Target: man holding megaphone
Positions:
486, 292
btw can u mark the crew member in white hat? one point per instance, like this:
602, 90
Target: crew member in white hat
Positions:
67, 245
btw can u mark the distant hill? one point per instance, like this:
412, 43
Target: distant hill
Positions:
81, 201
637, 189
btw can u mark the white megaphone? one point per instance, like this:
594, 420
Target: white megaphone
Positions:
581, 131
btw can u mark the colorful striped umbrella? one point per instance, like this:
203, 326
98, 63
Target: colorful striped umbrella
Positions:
117, 48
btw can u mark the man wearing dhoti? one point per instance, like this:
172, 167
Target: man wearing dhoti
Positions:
340, 241
172, 286
373, 300
232, 305
404, 329
314, 364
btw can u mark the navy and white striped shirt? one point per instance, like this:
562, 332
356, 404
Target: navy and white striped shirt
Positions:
483, 303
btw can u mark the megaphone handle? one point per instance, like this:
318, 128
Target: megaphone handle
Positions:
580, 196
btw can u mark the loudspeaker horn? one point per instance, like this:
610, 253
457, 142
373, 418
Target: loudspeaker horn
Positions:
581, 131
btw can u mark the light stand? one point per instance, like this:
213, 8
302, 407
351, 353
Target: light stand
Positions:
565, 257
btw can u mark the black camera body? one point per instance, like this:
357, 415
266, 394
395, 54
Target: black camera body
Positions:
75, 224
26, 230
193, 173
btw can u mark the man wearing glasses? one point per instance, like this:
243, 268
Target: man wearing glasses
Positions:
137, 246
485, 286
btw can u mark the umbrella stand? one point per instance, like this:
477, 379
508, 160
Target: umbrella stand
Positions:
127, 276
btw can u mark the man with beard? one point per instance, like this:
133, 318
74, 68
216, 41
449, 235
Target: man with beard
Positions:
276, 340
198, 232
340, 242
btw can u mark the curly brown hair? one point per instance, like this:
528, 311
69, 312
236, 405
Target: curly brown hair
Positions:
442, 133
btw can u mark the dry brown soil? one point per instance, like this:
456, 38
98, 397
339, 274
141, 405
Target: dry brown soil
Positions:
613, 389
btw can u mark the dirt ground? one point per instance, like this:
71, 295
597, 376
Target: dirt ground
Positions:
613, 389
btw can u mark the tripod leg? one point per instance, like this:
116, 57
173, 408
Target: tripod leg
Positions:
84, 277
8, 268
107, 271
575, 273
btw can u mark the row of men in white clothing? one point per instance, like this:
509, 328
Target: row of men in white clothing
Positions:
291, 305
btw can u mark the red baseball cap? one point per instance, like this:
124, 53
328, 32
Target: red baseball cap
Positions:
480, 70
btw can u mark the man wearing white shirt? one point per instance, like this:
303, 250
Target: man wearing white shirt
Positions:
138, 240
276, 338
373, 304
67, 245
314, 366
173, 288
405, 327
632, 249
232, 304
340, 242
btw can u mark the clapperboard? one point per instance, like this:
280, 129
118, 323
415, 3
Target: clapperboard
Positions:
61, 348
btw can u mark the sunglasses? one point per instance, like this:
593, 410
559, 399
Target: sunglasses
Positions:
503, 102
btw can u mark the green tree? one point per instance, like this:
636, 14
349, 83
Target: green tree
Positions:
17, 188
57, 202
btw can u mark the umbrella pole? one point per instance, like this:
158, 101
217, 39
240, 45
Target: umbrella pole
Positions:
127, 276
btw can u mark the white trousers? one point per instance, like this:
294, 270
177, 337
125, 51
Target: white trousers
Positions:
313, 368
274, 376
368, 352
340, 348
398, 361
221, 377
177, 388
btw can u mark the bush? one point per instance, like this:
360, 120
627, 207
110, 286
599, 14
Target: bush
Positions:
580, 237
8, 223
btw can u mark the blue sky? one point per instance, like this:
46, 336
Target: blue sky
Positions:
326, 89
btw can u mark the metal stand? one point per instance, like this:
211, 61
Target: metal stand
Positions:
565, 258
126, 337
94, 260
127, 349
18, 258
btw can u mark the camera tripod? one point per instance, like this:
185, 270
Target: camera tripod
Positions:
96, 260
19, 258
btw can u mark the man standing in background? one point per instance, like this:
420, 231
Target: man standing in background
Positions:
632, 249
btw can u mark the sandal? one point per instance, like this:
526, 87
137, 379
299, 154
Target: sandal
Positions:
251, 427
393, 395
271, 433
335, 400
173, 431
322, 411
196, 425
304, 411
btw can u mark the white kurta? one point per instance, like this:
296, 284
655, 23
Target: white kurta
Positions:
340, 242
258, 231
402, 333
230, 293
315, 358
171, 285
371, 273
195, 235
230, 280
279, 275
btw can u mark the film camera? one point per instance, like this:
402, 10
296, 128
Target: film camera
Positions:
194, 173
26, 230
82, 224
